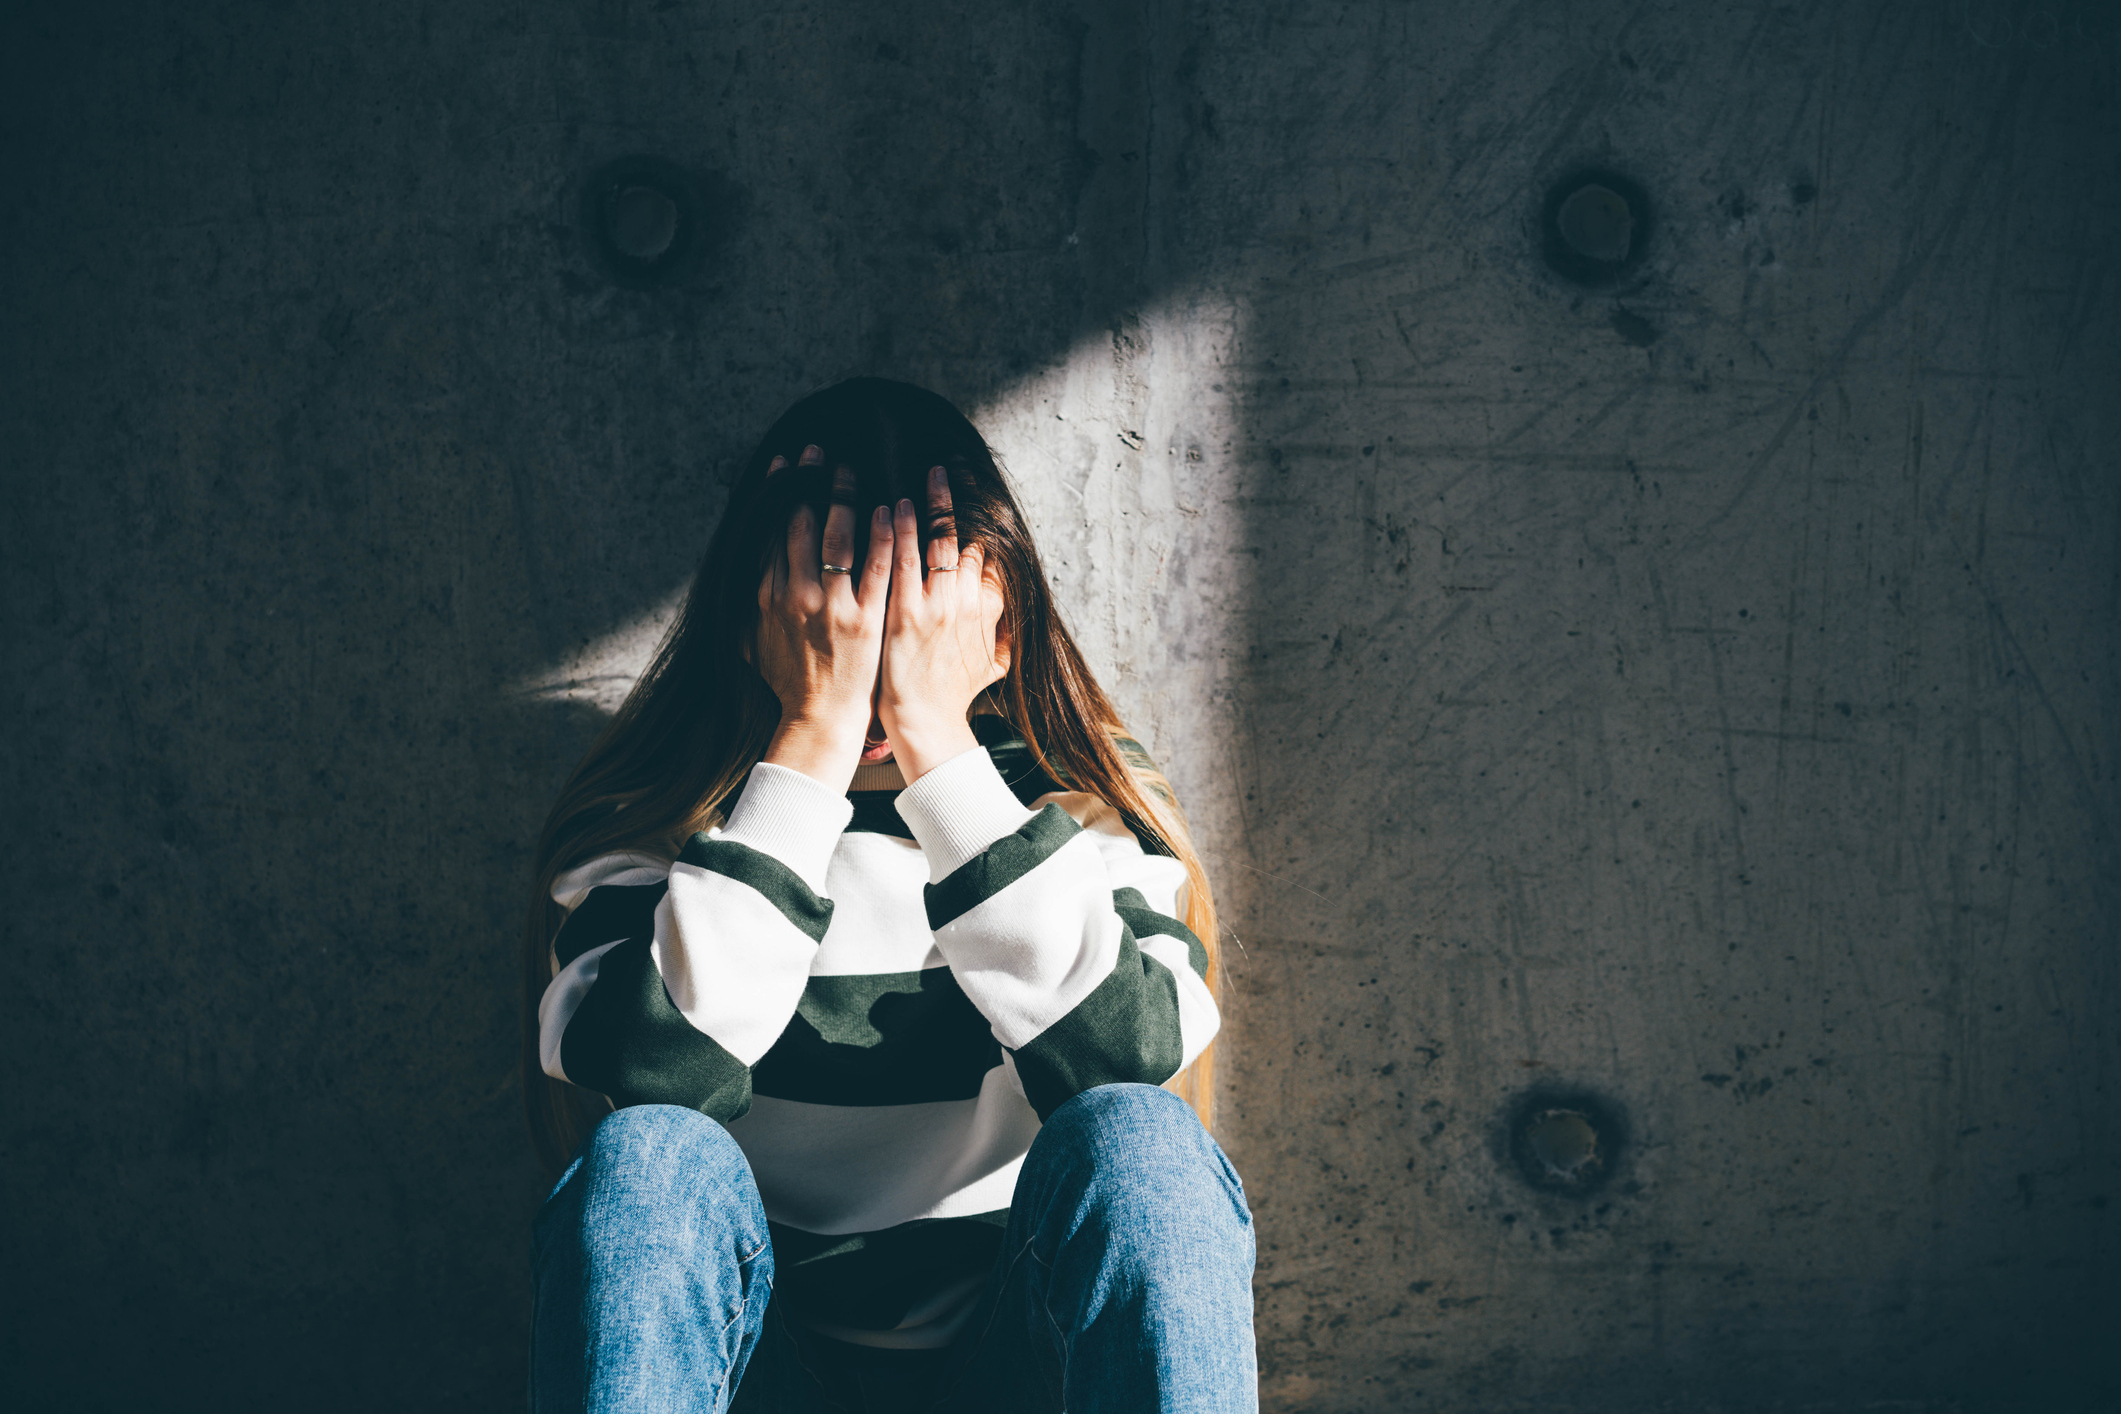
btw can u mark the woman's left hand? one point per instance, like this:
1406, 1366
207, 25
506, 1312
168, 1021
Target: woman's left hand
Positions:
942, 645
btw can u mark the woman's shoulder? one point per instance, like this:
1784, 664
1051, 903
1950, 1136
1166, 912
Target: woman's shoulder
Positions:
1036, 787
1021, 770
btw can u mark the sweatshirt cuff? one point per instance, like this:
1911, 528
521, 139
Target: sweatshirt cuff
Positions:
958, 809
785, 814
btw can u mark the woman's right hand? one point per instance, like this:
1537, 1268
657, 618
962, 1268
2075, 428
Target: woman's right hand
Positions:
819, 634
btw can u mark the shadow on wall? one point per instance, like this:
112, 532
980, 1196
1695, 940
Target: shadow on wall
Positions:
345, 425
1648, 719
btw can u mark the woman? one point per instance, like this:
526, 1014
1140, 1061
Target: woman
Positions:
879, 936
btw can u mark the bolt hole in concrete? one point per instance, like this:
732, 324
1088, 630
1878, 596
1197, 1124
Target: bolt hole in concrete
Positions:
641, 222
1564, 1142
1596, 226
644, 218
1597, 223
1563, 1145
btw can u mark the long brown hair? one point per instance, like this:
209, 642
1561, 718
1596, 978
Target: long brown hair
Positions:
700, 716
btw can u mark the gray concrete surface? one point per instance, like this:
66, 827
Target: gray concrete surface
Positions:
1692, 698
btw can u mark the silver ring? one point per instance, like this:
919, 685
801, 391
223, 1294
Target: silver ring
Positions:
835, 569
942, 569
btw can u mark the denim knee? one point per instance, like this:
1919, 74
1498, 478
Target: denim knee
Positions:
1139, 1148
655, 1145
651, 1265
669, 1161
1130, 1106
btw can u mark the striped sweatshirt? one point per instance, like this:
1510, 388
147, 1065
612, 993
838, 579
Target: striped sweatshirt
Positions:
882, 994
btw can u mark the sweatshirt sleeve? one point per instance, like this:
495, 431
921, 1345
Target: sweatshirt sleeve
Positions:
671, 979
1062, 931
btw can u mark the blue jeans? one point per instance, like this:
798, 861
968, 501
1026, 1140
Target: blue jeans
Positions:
1124, 1282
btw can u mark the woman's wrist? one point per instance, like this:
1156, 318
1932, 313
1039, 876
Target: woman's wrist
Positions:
826, 752
919, 748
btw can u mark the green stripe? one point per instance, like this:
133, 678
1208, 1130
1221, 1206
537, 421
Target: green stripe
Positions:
1124, 1032
775, 881
999, 865
1135, 755
1134, 911
869, 1280
886, 1038
628, 1040
611, 912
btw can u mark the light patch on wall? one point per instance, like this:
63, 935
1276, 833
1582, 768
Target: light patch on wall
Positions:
1123, 456
1118, 452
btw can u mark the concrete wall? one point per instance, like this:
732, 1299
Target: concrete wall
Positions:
1687, 704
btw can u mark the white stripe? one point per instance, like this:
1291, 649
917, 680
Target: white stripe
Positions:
879, 919
1160, 879
846, 1168
631, 867
958, 809
1029, 954
563, 997
1016, 1079
731, 961
787, 816
1198, 1020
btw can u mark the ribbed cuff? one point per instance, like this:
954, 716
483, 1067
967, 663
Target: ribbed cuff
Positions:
958, 809
786, 814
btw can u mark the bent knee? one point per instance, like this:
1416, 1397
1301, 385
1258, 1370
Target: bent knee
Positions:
1127, 1172
1146, 1138
659, 1148
656, 1185
1133, 1113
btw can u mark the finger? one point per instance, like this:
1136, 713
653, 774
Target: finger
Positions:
876, 570
777, 464
980, 601
1002, 658
801, 561
839, 526
993, 611
776, 579
906, 552
799, 550
984, 604
942, 525
970, 585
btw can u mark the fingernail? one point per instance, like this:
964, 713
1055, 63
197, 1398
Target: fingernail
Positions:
905, 508
938, 479
813, 455
775, 465
883, 517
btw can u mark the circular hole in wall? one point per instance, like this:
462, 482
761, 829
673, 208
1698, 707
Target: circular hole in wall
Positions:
1596, 225
641, 223
1565, 1141
646, 219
